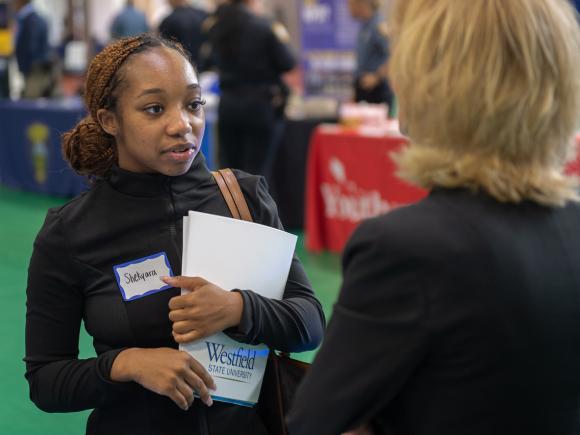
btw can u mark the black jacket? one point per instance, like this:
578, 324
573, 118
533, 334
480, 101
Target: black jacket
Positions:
184, 24
32, 43
247, 51
130, 216
458, 315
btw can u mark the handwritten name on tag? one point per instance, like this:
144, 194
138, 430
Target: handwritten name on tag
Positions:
141, 277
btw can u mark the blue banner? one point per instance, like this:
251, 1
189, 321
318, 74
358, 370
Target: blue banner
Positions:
30, 156
328, 43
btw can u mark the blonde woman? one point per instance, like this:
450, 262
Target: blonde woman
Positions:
461, 314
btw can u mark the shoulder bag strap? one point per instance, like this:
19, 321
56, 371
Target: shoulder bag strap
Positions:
230, 188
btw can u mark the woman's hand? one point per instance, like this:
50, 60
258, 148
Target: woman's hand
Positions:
165, 371
207, 309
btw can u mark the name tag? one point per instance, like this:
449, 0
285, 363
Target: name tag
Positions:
142, 277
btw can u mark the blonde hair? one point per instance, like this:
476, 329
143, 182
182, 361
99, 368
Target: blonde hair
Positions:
490, 95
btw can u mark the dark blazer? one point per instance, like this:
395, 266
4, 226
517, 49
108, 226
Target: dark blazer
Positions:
247, 51
458, 315
32, 42
184, 24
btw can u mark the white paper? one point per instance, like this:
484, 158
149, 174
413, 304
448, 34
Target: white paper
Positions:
235, 254
184, 255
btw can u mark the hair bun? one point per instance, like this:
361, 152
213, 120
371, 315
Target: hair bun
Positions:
88, 149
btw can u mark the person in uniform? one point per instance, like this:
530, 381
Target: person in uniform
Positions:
33, 52
250, 54
372, 54
130, 21
184, 24
140, 147
460, 314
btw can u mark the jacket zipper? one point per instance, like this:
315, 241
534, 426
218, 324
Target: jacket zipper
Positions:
172, 219
202, 411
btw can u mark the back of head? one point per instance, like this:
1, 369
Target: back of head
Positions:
373, 4
19, 4
489, 93
363, 9
87, 148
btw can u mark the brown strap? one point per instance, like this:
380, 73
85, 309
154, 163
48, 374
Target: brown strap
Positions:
226, 194
239, 199
230, 188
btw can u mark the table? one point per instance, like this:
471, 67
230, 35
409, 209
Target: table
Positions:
351, 177
30, 156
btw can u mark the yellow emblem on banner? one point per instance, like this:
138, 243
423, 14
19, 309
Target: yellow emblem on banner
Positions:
37, 134
5, 42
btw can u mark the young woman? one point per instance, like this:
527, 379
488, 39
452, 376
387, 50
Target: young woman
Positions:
461, 314
140, 145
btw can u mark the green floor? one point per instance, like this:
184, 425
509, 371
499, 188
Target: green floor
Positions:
21, 215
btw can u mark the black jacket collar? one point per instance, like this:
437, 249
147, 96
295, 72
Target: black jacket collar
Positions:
151, 185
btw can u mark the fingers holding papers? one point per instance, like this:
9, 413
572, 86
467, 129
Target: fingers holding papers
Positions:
204, 311
190, 283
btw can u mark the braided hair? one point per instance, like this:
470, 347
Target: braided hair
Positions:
87, 148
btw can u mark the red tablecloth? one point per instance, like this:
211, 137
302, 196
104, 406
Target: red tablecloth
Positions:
574, 166
350, 177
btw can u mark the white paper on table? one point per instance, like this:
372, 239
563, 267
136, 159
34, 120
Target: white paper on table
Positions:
235, 254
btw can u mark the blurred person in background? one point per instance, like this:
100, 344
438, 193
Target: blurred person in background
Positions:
250, 53
129, 22
32, 52
461, 314
372, 53
184, 24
